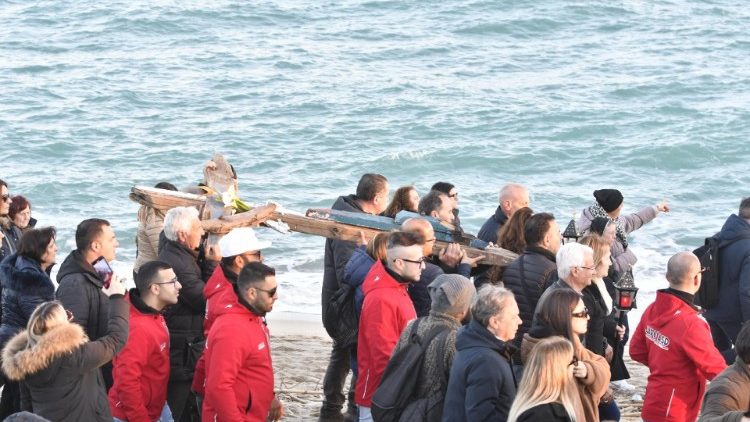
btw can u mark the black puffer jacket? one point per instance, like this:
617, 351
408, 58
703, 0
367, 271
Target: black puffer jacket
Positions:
539, 271
185, 319
25, 286
61, 372
337, 254
11, 237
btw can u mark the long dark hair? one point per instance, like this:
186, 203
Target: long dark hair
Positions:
511, 235
556, 312
400, 202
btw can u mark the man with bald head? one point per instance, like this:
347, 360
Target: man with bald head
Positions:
675, 343
513, 197
418, 292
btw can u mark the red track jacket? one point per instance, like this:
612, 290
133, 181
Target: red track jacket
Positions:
386, 311
239, 373
141, 370
675, 343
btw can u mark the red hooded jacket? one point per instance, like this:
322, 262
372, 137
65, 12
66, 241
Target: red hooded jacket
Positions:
141, 369
219, 293
386, 311
675, 343
239, 373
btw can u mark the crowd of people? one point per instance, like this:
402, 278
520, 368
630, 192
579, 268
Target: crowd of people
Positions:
540, 339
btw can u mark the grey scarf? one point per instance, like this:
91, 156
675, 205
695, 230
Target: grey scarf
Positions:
597, 211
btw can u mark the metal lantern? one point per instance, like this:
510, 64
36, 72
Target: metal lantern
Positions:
625, 292
571, 233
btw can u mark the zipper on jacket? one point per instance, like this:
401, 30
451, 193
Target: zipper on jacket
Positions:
669, 405
367, 380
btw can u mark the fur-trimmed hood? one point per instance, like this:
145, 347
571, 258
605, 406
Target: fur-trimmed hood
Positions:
20, 361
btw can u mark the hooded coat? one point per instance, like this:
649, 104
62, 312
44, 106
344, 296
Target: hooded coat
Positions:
482, 385
80, 291
141, 369
734, 274
675, 343
385, 313
24, 285
239, 371
60, 373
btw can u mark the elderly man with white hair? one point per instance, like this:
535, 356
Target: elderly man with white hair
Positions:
183, 232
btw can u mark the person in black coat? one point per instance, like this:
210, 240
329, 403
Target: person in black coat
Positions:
26, 283
481, 386
183, 233
512, 197
530, 274
59, 365
9, 235
80, 286
371, 198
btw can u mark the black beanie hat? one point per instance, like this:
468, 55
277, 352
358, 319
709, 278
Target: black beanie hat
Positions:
609, 199
598, 225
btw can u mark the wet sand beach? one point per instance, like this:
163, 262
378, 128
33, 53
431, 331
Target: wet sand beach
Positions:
300, 349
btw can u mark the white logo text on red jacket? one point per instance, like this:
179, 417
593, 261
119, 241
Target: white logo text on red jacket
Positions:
657, 337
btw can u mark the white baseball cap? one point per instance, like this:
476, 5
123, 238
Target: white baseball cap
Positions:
240, 240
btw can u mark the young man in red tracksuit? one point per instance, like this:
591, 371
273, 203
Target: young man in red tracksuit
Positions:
675, 343
385, 312
238, 247
141, 369
239, 372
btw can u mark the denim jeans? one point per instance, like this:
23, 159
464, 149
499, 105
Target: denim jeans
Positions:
166, 416
365, 415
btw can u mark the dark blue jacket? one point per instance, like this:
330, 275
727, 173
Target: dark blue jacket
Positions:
25, 285
481, 385
418, 292
488, 232
355, 272
734, 274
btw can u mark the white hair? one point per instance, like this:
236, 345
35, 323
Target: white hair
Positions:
571, 255
508, 191
179, 219
489, 301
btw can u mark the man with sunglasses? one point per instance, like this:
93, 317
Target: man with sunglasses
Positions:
675, 343
8, 239
238, 248
385, 312
239, 373
141, 369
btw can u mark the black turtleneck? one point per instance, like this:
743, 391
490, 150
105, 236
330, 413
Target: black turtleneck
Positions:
395, 276
230, 275
138, 303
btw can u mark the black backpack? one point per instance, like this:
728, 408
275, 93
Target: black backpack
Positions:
394, 400
707, 296
341, 320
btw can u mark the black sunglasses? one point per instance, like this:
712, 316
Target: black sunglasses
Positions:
5, 197
271, 292
583, 314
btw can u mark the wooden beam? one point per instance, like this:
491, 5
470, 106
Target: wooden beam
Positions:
164, 199
254, 217
335, 230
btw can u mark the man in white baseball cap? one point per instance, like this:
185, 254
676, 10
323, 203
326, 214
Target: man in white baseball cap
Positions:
238, 248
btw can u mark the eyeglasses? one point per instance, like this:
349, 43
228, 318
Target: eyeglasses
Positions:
583, 314
172, 281
5, 197
271, 293
421, 261
69, 315
588, 268
430, 240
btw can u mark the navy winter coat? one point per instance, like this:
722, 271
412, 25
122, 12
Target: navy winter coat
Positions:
481, 385
734, 274
25, 285
488, 232
355, 272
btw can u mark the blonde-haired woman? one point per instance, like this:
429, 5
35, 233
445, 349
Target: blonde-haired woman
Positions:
58, 364
548, 390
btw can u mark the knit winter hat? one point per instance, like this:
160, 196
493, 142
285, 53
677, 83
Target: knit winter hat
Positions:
598, 225
609, 199
451, 293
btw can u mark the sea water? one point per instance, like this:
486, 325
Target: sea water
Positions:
650, 97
